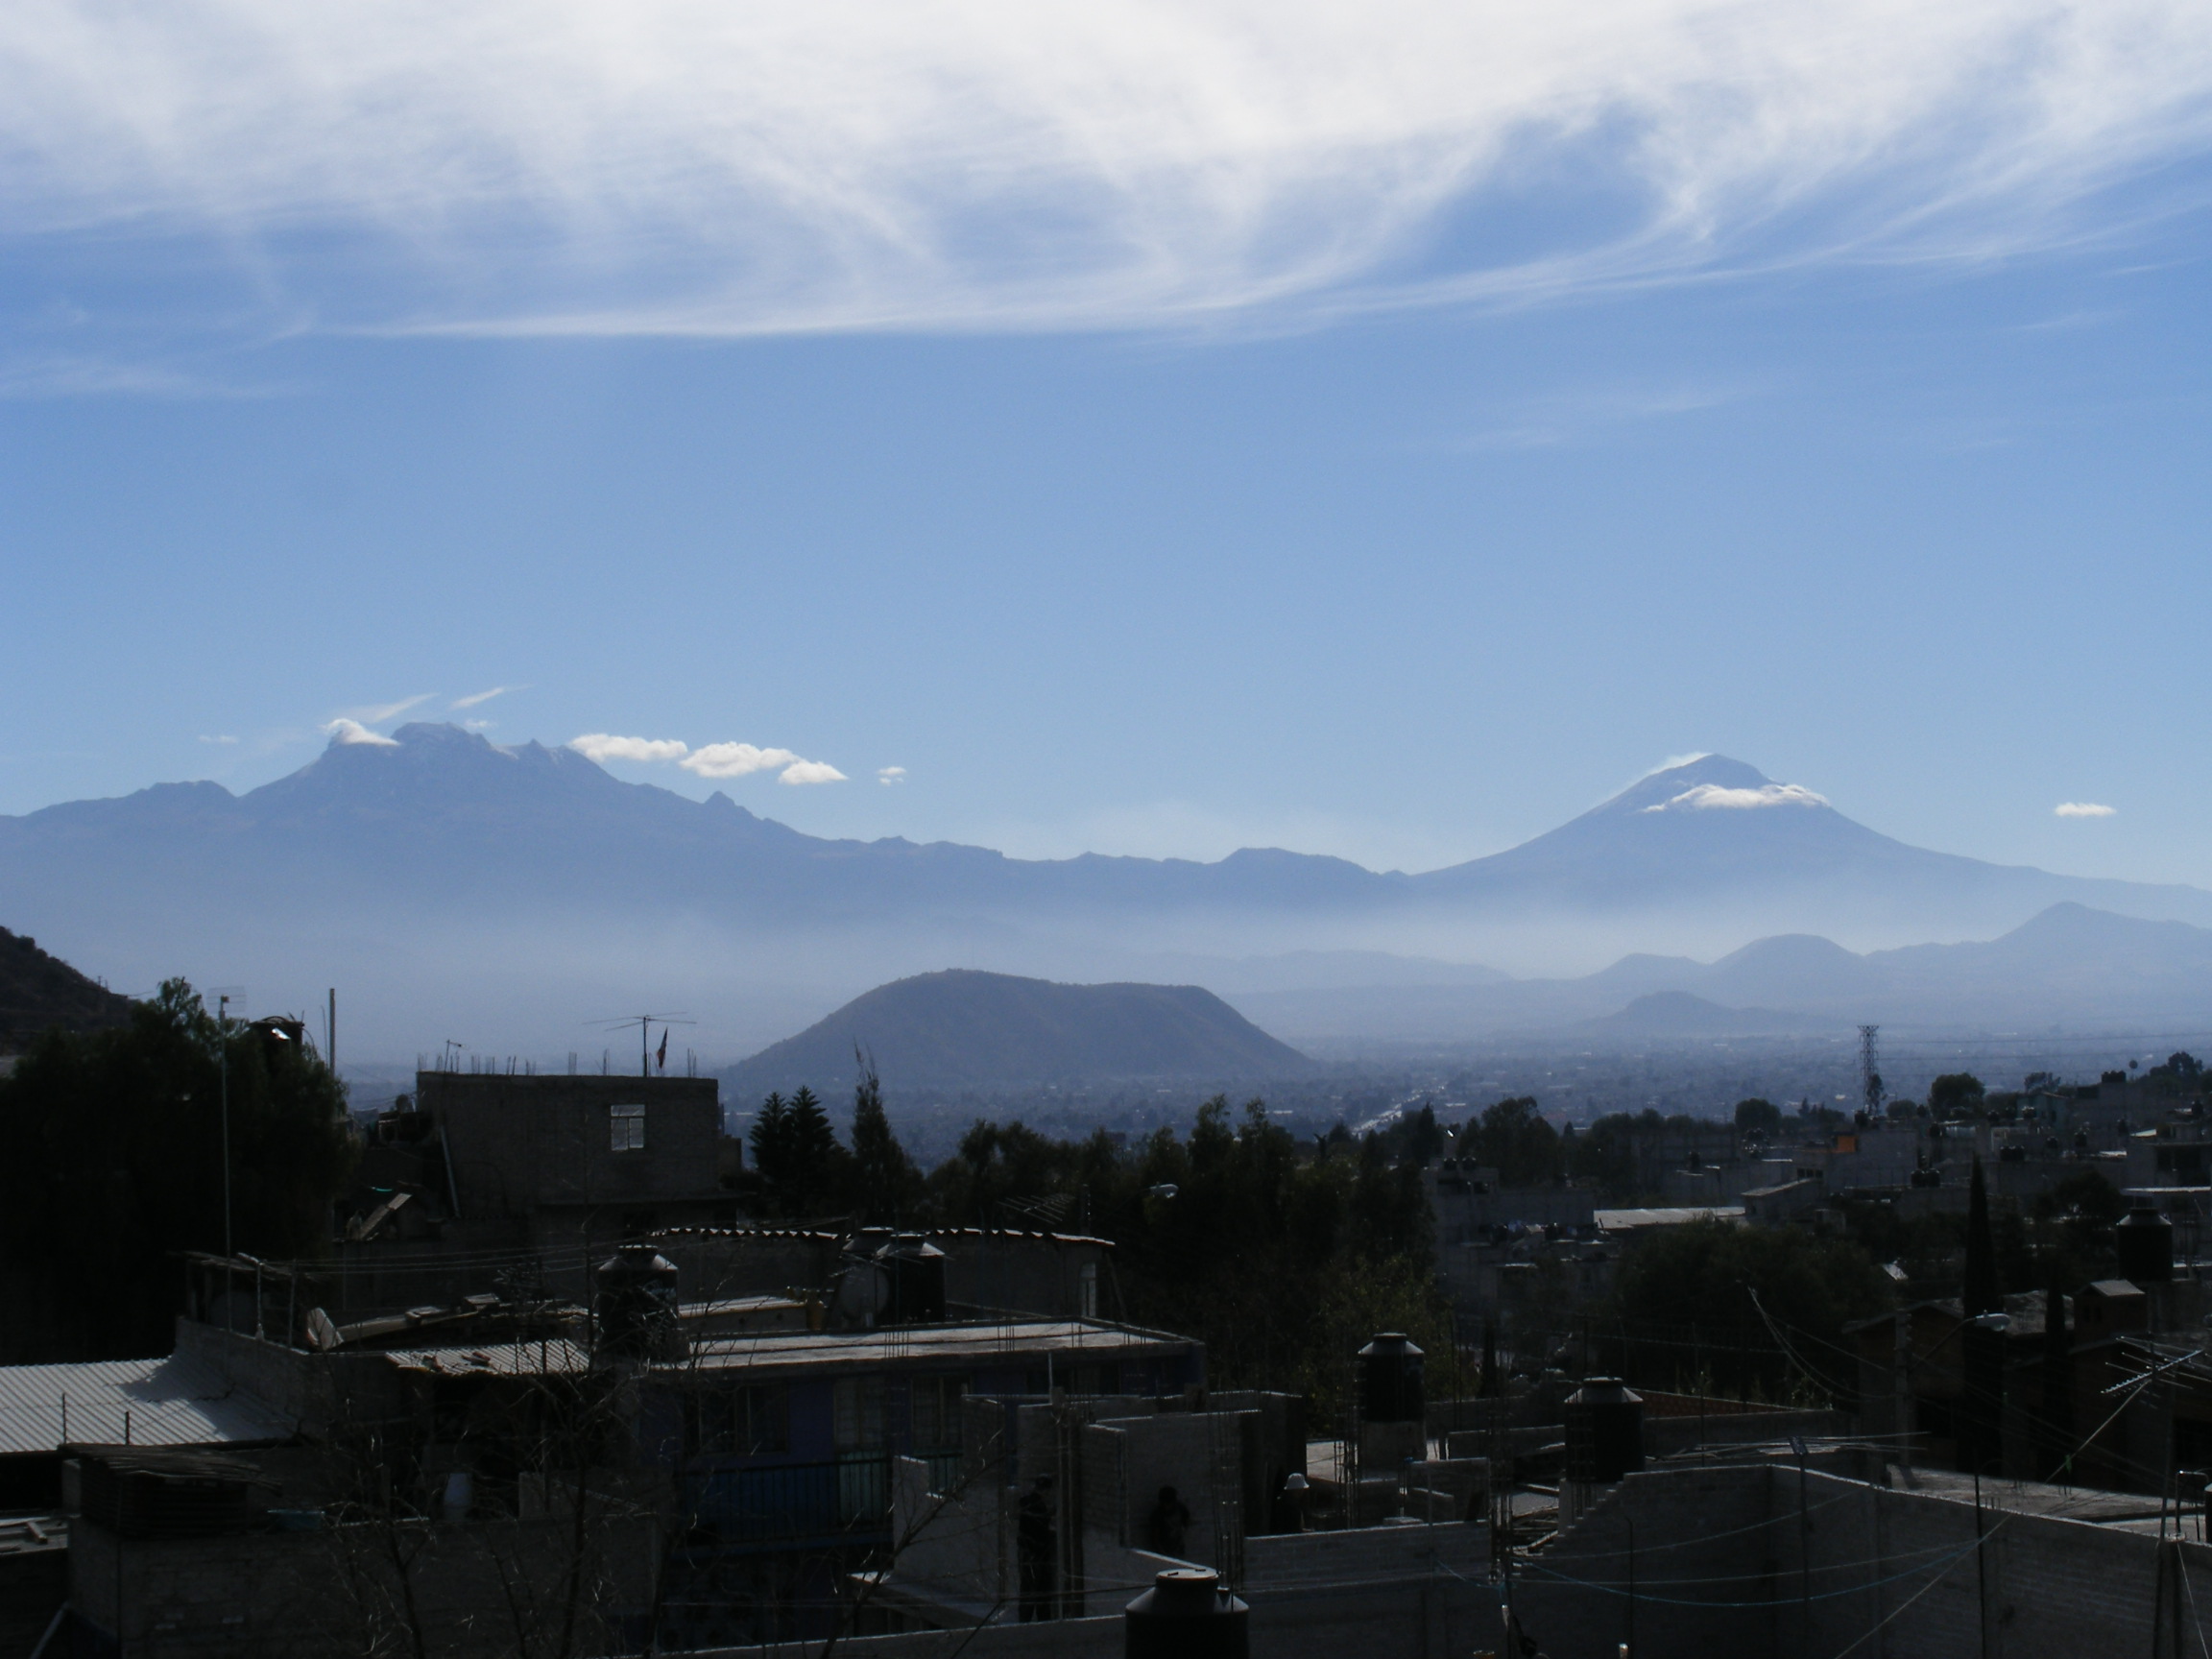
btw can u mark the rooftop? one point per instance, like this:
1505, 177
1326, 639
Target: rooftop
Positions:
551, 1355
1629, 1220
170, 1401
1074, 1339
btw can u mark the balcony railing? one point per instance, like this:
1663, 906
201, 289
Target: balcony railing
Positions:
794, 1499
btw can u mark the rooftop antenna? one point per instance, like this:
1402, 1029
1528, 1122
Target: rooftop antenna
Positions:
1870, 1068
645, 1023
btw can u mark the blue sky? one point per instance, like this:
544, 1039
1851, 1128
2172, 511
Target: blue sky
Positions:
1377, 431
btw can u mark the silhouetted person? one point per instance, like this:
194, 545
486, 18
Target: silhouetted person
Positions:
1167, 1525
1037, 1542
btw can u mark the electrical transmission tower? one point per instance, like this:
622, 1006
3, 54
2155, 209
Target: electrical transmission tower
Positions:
1870, 1068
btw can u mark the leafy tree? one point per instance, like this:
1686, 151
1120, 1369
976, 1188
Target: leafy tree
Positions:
1758, 1119
1684, 1299
115, 1167
1954, 1094
1513, 1139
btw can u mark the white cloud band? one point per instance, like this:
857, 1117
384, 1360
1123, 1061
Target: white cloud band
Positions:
718, 760
1709, 797
736, 761
2084, 809
604, 746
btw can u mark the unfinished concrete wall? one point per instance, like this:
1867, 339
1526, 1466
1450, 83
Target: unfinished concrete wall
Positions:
1435, 1617
1678, 1564
1902, 1575
468, 1589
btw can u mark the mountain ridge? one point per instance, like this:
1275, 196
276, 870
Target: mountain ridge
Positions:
447, 879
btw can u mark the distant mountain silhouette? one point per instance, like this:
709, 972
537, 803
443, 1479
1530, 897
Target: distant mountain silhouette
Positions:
38, 991
2070, 968
1679, 1013
963, 1028
511, 895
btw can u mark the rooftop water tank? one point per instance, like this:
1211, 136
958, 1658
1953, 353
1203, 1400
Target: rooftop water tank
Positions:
1186, 1615
1604, 1431
2146, 1246
1391, 1379
634, 1309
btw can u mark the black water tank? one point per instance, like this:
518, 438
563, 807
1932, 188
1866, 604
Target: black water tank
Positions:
1604, 1431
1391, 1379
2146, 1246
914, 1270
634, 1309
1186, 1615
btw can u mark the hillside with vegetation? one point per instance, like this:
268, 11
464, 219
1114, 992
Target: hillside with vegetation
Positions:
38, 991
965, 1027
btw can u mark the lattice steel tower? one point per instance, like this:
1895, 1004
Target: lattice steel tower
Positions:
1870, 1068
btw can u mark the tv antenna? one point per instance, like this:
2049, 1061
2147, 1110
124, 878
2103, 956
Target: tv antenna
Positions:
645, 1023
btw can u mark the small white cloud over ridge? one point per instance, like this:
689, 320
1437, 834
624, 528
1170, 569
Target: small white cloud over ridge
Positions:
736, 761
718, 760
890, 775
1707, 796
2084, 809
604, 746
347, 733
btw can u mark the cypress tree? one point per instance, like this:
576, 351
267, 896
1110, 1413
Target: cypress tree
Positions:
1981, 1292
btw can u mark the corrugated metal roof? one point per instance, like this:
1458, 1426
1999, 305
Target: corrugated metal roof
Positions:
495, 1358
170, 1401
1628, 1220
927, 1345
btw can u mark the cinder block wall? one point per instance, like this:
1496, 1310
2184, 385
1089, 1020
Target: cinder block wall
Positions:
1677, 1563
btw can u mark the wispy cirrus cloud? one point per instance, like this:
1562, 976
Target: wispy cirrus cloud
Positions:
688, 167
716, 760
376, 713
475, 698
2084, 809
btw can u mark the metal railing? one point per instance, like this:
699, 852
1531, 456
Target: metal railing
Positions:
793, 1499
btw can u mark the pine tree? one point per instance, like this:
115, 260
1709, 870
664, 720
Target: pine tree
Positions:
812, 1175
771, 1139
885, 1182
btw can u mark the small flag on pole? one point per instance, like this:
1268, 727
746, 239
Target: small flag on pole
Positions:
661, 1059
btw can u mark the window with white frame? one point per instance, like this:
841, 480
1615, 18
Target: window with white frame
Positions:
626, 1128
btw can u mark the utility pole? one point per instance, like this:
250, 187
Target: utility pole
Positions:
1870, 1068
223, 1069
